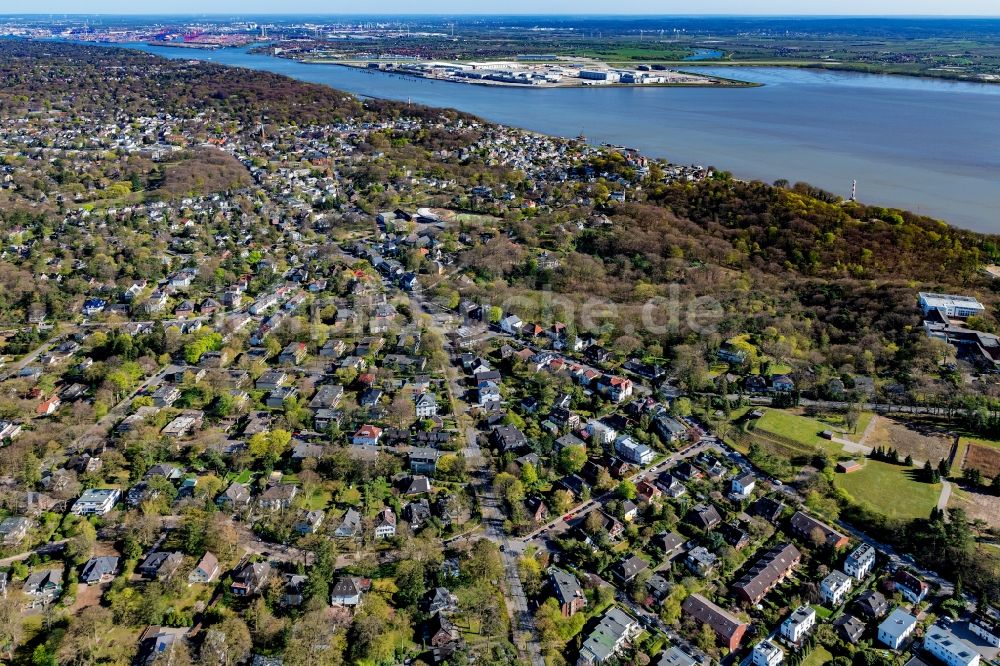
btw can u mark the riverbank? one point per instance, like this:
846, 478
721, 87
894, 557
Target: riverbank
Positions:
696, 80
828, 128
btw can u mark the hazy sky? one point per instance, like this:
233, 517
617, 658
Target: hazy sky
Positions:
838, 7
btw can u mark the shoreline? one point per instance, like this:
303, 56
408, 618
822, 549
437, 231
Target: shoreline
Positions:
717, 82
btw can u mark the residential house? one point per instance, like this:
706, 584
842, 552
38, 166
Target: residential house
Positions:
871, 604
647, 492
834, 588
671, 485
675, 656
100, 569
166, 395
206, 569
600, 434
48, 407
293, 353
161, 564
911, 587
798, 625
772, 568
670, 543
442, 601
537, 510
271, 380
507, 438
849, 628
704, 516
767, 508
700, 560
511, 324
896, 628
658, 586
14, 530
728, 629
629, 568
743, 485
385, 524
941, 642
617, 389
985, 624
423, 460
487, 393
807, 527
236, 496
734, 535
633, 452
860, 562
611, 634
670, 429
568, 591
766, 653
426, 405
415, 485
348, 591
350, 525
251, 579
96, 501
43, 586
278, 497
367, 435
310, 522
441, 632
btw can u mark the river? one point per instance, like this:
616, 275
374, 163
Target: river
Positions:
931, 146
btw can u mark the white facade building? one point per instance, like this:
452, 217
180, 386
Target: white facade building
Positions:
861, 562
835, 587
797, 625
767, 653
949, 648
96, 501
896, 628
632, 451
951, 305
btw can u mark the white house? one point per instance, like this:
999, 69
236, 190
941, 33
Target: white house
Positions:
950, 305
743, 485
767, 653
896, 628
600, 434
861, 562
835, 587
797, 625
631, 451
614, 630
96, 501
511, 324
949, 648
986, 625
347, 591
385, 524
426, 405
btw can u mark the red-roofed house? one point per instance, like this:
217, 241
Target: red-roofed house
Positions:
367, 435
49, 406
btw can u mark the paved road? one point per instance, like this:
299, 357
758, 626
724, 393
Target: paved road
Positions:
32, 356
522, 621
42, 549
945, 495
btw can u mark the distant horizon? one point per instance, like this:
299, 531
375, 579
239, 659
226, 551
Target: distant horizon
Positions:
509, 14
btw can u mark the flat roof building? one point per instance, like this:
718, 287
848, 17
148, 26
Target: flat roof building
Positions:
949, 648
951, 305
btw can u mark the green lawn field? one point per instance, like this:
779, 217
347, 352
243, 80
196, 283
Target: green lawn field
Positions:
892, 490
800, 429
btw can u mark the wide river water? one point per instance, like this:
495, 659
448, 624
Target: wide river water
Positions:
921, 144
